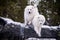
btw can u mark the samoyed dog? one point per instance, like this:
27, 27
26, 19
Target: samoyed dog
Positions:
38, 22
29, 13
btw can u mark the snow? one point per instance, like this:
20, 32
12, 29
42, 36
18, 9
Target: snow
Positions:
41, 39
9, 21
45, 26
18, 23
50, 27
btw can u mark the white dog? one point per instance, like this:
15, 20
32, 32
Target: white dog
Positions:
29, 13
37, 22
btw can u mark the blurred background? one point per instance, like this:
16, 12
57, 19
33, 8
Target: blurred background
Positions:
14, 9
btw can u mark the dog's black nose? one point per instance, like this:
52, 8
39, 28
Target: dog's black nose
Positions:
29, 12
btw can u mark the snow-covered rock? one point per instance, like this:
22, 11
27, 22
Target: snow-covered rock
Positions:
7, 20
16, 29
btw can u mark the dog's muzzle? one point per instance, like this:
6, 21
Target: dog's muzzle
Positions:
29, 12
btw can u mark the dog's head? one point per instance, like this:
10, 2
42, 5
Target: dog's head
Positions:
29, 9
40, 19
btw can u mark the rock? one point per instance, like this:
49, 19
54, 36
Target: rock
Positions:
13, 31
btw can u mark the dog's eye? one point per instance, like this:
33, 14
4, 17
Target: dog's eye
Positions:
30, 9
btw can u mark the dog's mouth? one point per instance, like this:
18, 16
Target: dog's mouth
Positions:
40, 23
29, 12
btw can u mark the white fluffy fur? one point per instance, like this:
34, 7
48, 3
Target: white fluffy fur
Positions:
28, 17
34, 18
37, 22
